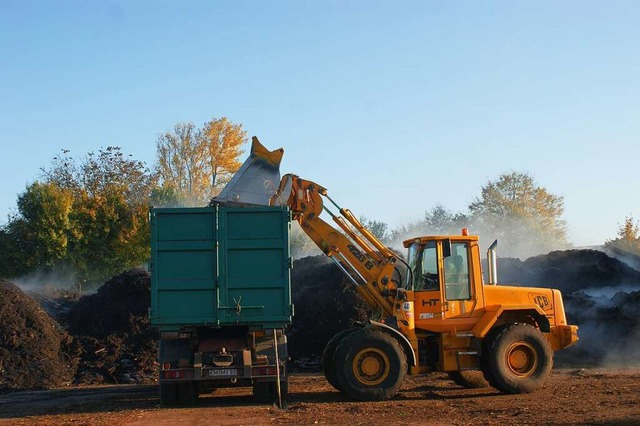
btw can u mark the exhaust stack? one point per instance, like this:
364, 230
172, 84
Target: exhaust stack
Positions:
256, 180
492, 263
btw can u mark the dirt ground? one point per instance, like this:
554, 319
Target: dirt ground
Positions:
571, 396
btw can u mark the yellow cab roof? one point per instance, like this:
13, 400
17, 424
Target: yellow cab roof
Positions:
425, 239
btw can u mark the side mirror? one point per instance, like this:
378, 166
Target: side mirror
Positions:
446, 248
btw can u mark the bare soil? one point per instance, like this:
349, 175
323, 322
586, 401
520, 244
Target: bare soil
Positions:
570, 397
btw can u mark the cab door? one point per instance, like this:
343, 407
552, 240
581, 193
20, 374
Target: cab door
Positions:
427, 285
459, 300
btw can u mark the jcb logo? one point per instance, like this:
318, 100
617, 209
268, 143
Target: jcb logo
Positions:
542, 301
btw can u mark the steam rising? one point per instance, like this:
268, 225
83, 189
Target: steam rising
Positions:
60, 278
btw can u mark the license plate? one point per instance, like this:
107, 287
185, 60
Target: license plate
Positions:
223, 372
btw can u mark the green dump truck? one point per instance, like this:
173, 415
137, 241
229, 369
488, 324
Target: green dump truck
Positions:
221, 299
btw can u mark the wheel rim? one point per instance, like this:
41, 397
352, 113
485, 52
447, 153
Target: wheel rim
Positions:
371, 366
522, 359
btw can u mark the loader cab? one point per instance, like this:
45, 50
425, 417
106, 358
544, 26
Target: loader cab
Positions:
444, 271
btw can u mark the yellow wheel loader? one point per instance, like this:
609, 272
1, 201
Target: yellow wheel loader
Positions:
432, 312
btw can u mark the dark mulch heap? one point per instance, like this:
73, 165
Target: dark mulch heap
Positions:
325, 302
110, 339
32, 345
114, 340
601, 295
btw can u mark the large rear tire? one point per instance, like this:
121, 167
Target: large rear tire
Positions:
470, 379
328, 365
518, 359
370, 365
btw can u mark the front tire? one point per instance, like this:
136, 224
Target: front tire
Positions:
519, 359
370, 365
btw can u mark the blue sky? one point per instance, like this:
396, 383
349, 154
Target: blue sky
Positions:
393, 106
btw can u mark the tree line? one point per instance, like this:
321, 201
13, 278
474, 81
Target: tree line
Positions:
89, 216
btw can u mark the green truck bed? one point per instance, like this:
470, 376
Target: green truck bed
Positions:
220, 266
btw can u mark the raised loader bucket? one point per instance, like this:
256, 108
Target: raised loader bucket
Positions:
256, 181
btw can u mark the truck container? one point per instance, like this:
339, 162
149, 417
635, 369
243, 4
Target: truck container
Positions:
221, 299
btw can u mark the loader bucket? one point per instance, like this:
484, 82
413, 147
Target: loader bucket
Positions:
256, 181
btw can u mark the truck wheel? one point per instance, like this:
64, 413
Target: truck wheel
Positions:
470, 379
519, 359
328, 365
168, 394
370, 365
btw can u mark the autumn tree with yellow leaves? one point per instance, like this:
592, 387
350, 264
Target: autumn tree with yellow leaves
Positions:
628, 239
194, 164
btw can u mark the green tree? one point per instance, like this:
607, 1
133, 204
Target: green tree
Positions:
441, 221
15, 259
524, 216
195, 164
378, 228
437, 221
628, 237
44, 223
91, 215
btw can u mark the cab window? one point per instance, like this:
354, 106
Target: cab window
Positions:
456, 276
426, 271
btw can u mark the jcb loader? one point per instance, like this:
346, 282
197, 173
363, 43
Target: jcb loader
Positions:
436, 315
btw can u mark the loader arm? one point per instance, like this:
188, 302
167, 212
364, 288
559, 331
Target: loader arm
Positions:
369, 264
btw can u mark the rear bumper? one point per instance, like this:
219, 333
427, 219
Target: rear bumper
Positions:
230, 374
562, 336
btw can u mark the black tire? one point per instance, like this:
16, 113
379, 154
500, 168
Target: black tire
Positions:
470, 379
370, 365
486, 347
168, 394
518, 359
328, 365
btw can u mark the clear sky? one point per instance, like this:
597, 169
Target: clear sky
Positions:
394, 106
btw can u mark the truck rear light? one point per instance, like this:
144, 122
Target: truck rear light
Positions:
166, 366
264, 371
261, 359
178, 374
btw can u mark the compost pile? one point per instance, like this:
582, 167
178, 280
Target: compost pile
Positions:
32, 345
601, 295
109, 338
114, 341
325, 302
